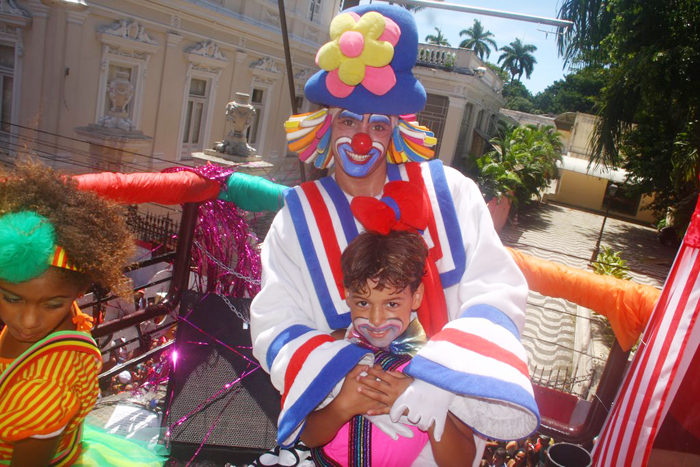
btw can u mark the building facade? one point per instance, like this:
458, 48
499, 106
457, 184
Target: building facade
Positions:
139, 85
586, 185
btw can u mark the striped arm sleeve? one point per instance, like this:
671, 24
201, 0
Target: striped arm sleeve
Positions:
312, 364
479, 357
36, 407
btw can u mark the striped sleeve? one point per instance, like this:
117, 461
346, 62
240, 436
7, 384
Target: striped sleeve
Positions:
479, 357
53, 394
36, 407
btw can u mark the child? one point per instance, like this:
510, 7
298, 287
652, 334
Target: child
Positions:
55, 241
382, 277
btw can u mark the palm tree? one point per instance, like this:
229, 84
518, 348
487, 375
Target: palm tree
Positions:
438, 39
518, 59
478, 40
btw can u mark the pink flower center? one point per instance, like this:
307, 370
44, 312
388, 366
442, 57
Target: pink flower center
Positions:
351, 43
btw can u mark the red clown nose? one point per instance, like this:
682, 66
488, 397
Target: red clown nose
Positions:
361, 143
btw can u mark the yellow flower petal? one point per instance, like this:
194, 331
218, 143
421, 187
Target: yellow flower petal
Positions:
329, 56
377, 53
371, 25
352, 71
340, 24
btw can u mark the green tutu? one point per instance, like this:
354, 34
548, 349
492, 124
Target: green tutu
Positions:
102, 449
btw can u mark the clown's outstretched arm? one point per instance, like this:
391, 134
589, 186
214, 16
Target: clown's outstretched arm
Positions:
290, 335
478, 355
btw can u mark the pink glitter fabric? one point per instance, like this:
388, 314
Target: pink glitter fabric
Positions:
225, 253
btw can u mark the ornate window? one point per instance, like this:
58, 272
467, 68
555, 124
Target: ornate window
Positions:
265, 76
205, 63
7, 77
126, 51
314, 9
12, 20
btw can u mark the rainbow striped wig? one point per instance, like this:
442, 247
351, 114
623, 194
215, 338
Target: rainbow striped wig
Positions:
308, 135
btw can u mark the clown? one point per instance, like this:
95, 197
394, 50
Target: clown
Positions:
474, 365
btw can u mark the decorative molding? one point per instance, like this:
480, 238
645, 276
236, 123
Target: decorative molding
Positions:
241, 56
303, 74
241, 42
128, 33
209, 49
12, 33
77, 17
205, 69
271, 17
206, 58
38, 9
262, 80
10, 8
175, 21
265, 64
116, 50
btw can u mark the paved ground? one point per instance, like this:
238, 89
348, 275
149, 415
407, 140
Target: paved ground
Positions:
568, 236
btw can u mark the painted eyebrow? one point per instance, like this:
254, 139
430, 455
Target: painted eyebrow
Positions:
353, 115
375, 118
14, 295
9, 293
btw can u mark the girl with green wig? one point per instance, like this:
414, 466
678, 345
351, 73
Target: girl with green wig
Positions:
55, 241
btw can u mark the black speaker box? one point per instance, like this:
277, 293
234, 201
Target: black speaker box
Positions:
217, 394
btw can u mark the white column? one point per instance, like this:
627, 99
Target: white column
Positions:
165, 140
450, 133
68, 109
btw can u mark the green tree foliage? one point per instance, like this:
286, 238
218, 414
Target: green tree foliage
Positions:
517, 59
518, 97
577, 92
516, 89
478, 40
437, 39
650, 106
522, 163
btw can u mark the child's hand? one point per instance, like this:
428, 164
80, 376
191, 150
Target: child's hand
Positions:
351, 401
384, 387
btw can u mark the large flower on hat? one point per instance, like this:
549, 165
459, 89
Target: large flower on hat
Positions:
360, 51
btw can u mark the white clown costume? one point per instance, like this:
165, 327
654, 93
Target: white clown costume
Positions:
477, 355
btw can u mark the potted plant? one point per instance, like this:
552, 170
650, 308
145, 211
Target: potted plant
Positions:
521, 162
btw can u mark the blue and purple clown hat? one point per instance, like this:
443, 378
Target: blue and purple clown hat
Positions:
365, 68
367, 65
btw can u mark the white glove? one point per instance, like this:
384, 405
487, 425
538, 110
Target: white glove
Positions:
426, 404
388, 427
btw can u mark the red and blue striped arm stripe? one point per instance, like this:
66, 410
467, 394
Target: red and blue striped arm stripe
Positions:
479, 357
312, 363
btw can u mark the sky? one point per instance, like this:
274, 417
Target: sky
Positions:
549, 66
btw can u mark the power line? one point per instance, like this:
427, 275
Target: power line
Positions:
94, 144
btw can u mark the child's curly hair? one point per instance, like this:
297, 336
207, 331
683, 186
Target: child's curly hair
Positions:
395, 260
91, 230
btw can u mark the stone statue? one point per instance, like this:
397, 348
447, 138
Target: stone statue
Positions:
120, 92
239, 115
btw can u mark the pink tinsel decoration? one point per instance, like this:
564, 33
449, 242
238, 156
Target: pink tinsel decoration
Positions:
223, 233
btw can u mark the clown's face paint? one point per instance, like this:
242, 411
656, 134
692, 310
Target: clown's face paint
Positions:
381, 316
360, 142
